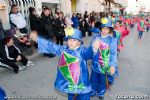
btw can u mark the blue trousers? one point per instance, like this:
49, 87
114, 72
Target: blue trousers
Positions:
79, 96
140, 34
98, 83
2, 94
147, 28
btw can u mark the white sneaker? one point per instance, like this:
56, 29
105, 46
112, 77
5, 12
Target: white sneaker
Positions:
22, 68
30, 63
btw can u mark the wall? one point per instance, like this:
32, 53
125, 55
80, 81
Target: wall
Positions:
87, 5
73, 5
4, 16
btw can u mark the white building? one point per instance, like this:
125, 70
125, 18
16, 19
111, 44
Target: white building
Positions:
87, 5
66, 6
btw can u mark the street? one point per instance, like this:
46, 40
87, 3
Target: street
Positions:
38, 80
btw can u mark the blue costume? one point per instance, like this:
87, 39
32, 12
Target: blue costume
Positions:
103, 59
95, 30
75, 22
72, 72
2, 94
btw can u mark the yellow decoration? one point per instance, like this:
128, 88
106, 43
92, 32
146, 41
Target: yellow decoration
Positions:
69, 31
113, 19
104, 20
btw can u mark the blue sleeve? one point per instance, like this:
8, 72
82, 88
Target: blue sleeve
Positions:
87, 53
92, 29
46, 46
113, 53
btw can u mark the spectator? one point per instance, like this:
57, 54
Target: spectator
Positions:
60, 34
92, 19
95, 30
86, 15
17, 20
56, 13
47, 27
84, 27
47, 24
78, 16
1, 30
34, 20
43, 8
10, 53
75, 21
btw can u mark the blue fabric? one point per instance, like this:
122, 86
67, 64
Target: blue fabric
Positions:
79, 96
82, 53
98, 80
98, 83
115, 36
109, 24
76, 35
75, 22
140, 34
95, 30
116, 19
147, 28
112, 42
2, 94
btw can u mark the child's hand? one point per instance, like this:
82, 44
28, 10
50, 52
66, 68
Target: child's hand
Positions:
96, 45
34, 36
18, 58
112, 70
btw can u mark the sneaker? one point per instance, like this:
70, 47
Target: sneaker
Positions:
49, 55
101, 98
30, 63
22, 68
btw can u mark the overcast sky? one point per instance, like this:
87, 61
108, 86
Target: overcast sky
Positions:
132, 5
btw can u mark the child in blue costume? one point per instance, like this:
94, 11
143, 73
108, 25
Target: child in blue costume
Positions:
95, 30
72, 72
2, 94
104, 63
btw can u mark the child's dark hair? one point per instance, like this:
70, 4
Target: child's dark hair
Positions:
8, 35
111, 29
97, 25
12, 6
120, 22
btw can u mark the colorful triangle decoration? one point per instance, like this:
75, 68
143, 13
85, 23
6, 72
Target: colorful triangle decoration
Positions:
69, 67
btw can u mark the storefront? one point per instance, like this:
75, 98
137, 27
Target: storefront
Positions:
52, 4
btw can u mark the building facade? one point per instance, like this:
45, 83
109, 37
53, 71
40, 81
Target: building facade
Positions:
66, 6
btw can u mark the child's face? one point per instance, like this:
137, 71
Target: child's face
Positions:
117, 24
73, 43
105, 30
